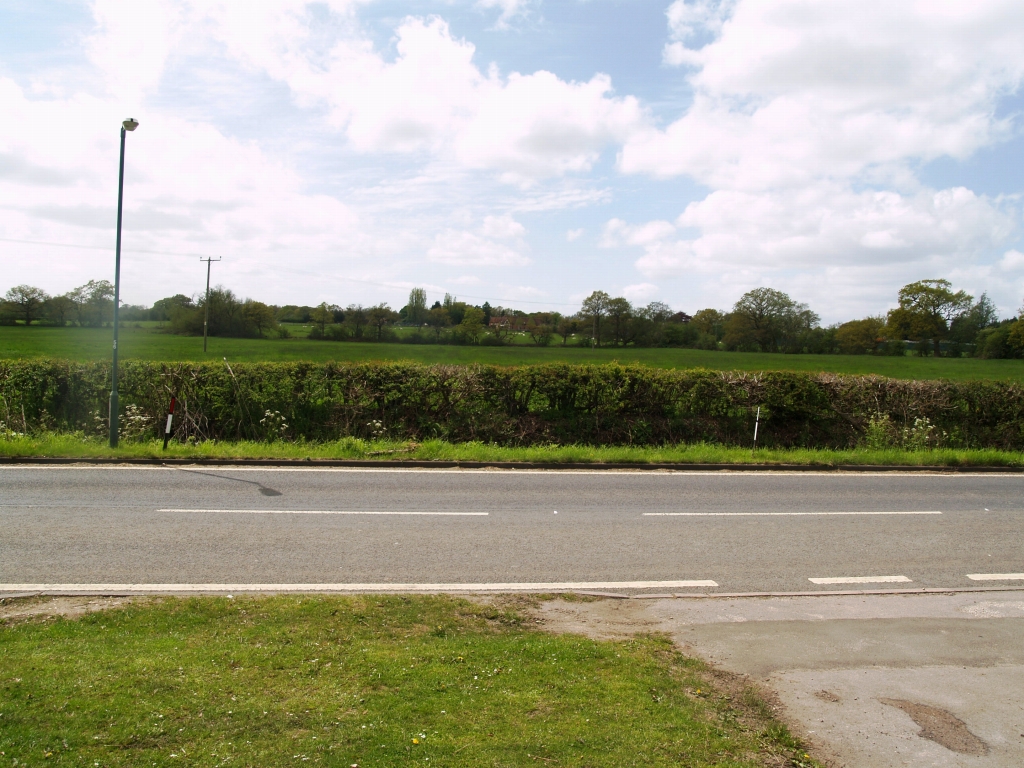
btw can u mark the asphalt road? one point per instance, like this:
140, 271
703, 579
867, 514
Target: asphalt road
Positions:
202, 526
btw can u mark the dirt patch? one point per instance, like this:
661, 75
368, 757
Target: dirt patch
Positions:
16, 610
941, 727
827, 696
600, 620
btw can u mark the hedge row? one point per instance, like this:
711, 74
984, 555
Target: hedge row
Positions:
589, 404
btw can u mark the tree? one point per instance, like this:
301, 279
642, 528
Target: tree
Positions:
456, 309
656, 312
380, 317
541, 327
710, 322
59, 310
26, 302
356, 319
1015, 335
164, 309
765, 319
594, 308
860, 337
290, 313
472, 326
225, 315
416, 309
438, 320
322, 316
926, 310
965, 328
619, 312
94, 302
258, 317
566, 326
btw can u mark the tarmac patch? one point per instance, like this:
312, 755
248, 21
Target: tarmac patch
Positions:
940, 726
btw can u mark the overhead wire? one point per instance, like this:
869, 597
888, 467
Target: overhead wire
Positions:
292, 270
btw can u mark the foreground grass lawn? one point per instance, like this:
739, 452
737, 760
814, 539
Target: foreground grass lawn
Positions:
77, 446
367, 681
87, 344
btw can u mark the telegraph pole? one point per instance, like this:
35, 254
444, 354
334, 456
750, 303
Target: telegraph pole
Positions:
206, 319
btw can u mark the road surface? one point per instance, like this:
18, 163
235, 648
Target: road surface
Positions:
666, 532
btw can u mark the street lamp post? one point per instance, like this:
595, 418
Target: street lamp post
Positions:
128, 125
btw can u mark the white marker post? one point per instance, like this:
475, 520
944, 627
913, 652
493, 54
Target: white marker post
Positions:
757, 422
170, 420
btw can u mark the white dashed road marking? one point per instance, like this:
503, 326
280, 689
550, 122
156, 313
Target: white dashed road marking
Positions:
862, 580
322, 512
776, 514
995, 576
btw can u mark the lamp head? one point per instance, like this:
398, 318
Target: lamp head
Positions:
130, 124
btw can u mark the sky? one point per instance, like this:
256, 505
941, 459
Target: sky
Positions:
523, 152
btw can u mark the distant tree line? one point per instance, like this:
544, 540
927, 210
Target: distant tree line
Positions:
931, 319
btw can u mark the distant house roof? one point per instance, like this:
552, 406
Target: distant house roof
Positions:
505, 321
680, 317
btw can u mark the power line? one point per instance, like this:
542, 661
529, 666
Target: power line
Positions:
203, 257
96, 247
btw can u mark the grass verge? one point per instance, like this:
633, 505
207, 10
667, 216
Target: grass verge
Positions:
367, 681
78, 446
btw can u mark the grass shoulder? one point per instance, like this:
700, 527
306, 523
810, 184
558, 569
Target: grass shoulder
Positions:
78, 446
362, 680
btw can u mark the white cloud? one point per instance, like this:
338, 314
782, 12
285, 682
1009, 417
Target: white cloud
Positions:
131, 44
459, 247
526, 293
502, 227
641, 292
826, 224
574, 234
618, 232
789, 93
483, 247
820, 241
687, 20
510, 9
1012, 261
433, 98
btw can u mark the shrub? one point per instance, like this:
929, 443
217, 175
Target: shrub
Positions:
559, 404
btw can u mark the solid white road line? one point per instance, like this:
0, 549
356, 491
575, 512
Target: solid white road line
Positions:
862, 580
995, 576
775, 514
324, 512
482, 587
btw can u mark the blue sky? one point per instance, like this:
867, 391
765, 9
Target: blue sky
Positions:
526, 152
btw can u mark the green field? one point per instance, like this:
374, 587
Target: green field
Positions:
374, 680
147, 343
